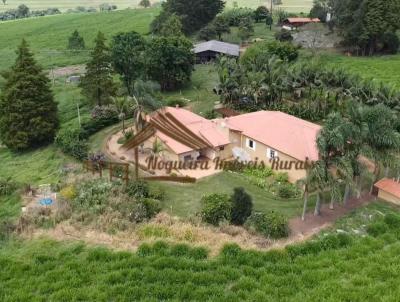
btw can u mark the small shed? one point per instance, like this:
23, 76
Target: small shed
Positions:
389, 190
208, 51
297, 22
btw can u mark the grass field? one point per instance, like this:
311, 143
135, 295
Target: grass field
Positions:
48, 36
379, 68
289, 5
331, 268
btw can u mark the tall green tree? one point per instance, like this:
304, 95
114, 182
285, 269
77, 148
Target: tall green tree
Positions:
194, 14
171, 27
97, 84
367, 26
76, 42
145, 3
28, 112
170, 61
127, 54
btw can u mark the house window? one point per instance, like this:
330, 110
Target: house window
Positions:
251, 144
187, 158
222, 148
271, 153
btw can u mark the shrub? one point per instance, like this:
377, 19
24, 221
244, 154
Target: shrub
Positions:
215, 208
93, 195
102, 117
138, 189
235, 15
392, 220
242, 206
271, 224
68, 192
283, 50
153, 206
282, 177
377, 228
284, 36
71, 142
287, 190
7, 186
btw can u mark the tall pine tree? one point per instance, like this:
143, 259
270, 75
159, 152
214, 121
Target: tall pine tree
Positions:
97, 84
28, 112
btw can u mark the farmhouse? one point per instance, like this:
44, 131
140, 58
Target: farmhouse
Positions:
389, 190
209, 50
275, 138
298, 22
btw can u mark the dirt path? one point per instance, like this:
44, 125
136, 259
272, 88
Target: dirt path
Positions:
328, 216
67, 71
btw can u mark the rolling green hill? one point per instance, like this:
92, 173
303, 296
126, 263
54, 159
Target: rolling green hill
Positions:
290, 5
48, 36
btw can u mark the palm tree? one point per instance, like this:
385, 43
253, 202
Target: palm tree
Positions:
383, 140
144, 101
307, 184
157, 148
122, 104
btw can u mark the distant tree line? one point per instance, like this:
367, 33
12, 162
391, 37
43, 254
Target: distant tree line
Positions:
367, 27
24, 12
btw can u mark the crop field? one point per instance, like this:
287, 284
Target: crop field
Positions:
345, 266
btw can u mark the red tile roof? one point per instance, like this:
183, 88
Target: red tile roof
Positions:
389, 186
280, 131
303, 20
201, 127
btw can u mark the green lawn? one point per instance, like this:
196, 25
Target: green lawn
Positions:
199, 93
184, 199
379, 68
331, 268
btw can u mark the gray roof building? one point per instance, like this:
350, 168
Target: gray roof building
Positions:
219, 47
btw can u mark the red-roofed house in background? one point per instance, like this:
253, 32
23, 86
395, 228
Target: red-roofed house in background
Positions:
269, 136
297, 22
389, 190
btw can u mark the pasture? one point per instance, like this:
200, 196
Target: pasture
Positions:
48, 36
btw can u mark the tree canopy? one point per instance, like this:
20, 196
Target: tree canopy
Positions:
97, 84
170, 61
28, 112
127, 53
194, 14
367, 26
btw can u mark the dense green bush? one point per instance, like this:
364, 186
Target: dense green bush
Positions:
242, 206
235, 15
283, 50
94, 125
377, 228
393, 221
72, 142
284, 36
7, 186
271, 224
138, 189
216, 208
287, 190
